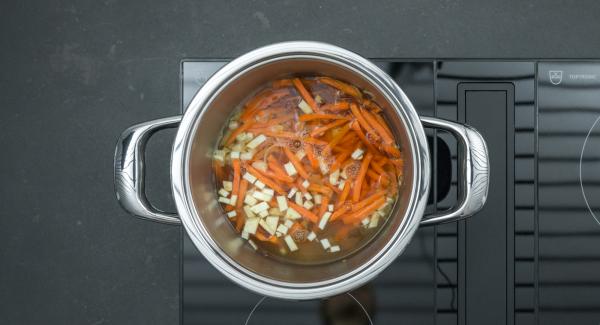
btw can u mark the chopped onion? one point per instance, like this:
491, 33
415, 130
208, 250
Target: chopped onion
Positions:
251, 225
334, 176
261, 196
250, 200
318, 198
292, 192
290, 243
311, 236
304, 107
262, 206
231, 214
282, 203
305, 184
325, 243
308, 204
290, 169
228, 186
249, 177
223, 192
256, 141
324, 220
259, 184
298, 198
235, 155
357, 154
334, 249
252, 244
292, 214
300, 154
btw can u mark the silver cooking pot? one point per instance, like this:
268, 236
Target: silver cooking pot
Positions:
193, 184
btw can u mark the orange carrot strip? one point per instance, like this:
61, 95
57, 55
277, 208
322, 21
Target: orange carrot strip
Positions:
278, 176
305, 94
310, 154
342, 86
314, 141
237, 131
275, 166
304, 212
383, 123
323, 207
326, 127
266, 180
378, 167
392, 150
242, 193
361, 214
339, 106
344, 195
278, 134
372, 198
337, 138
236, 176
262, 237
387, 138
321, 116
339, 212
333, 188
272, 122
377, 177
363, 138
361, 120
320, 189
340, 159
361, 176
296, 162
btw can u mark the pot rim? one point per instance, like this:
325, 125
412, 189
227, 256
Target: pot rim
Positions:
191, 219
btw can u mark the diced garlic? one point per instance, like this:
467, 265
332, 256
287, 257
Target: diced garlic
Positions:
319, 99
304, 107
323, 166
259, 184
249, 177
318, 198
341, 184
224, 200
324, 220
334, 249
272, 222
300, 154
311, 236
282, 229
357, 154
245, 234
263, 214
288, 223
247, 155
223, 192
292, 214
219, 155
250, 200
292, 192
290, 169
252, 244
260, 165
262, 206
235, 155
266, 226
334, 176
233, 200
248, 211
262, 196
308, 205
282, 203
228, 186
256, 141
231, 214
305, 184
234, 125
374, 221
290, 243
298, 198
251, 225
325, 243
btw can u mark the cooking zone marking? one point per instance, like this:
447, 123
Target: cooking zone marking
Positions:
580, 173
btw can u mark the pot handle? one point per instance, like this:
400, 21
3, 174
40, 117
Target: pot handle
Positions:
129, 170
474, 171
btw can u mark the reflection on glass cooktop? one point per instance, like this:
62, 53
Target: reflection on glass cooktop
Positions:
532, 256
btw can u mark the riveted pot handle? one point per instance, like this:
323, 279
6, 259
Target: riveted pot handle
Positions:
474, 171
129, 170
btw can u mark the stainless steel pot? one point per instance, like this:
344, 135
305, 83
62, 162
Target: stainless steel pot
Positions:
194, 190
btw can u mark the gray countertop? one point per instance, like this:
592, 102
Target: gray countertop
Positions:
76, 73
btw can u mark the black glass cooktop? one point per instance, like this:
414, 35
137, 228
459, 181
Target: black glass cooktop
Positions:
531, 256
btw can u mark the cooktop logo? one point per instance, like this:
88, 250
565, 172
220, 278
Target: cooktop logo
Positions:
555, 76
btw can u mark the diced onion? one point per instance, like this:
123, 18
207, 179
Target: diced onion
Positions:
324, 220
304, 107
325, 243
311, 236
228, 186
249, 177
231, 214
256, 141
282, 203
290, 243
251, 225
357, 154
290, 169
334, 249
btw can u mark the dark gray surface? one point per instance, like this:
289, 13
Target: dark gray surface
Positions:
76, 73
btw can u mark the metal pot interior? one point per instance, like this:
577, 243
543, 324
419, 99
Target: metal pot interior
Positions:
221, 235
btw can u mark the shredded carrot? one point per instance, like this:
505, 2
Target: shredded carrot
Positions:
296, 162
263, 178
305, 94
326, 127
361, 214
339, 106
236, 176
381, 131
374, 197
321, 116
342, 86
337, 138
362, 121
344, 195
320, 189
363, 138
324, 204
339, 212
310, 154
361, 176
243, 188
340, 159
304, 212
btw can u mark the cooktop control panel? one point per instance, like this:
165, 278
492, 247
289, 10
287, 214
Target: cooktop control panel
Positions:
531, 256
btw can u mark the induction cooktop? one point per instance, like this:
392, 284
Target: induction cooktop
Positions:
531, 256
